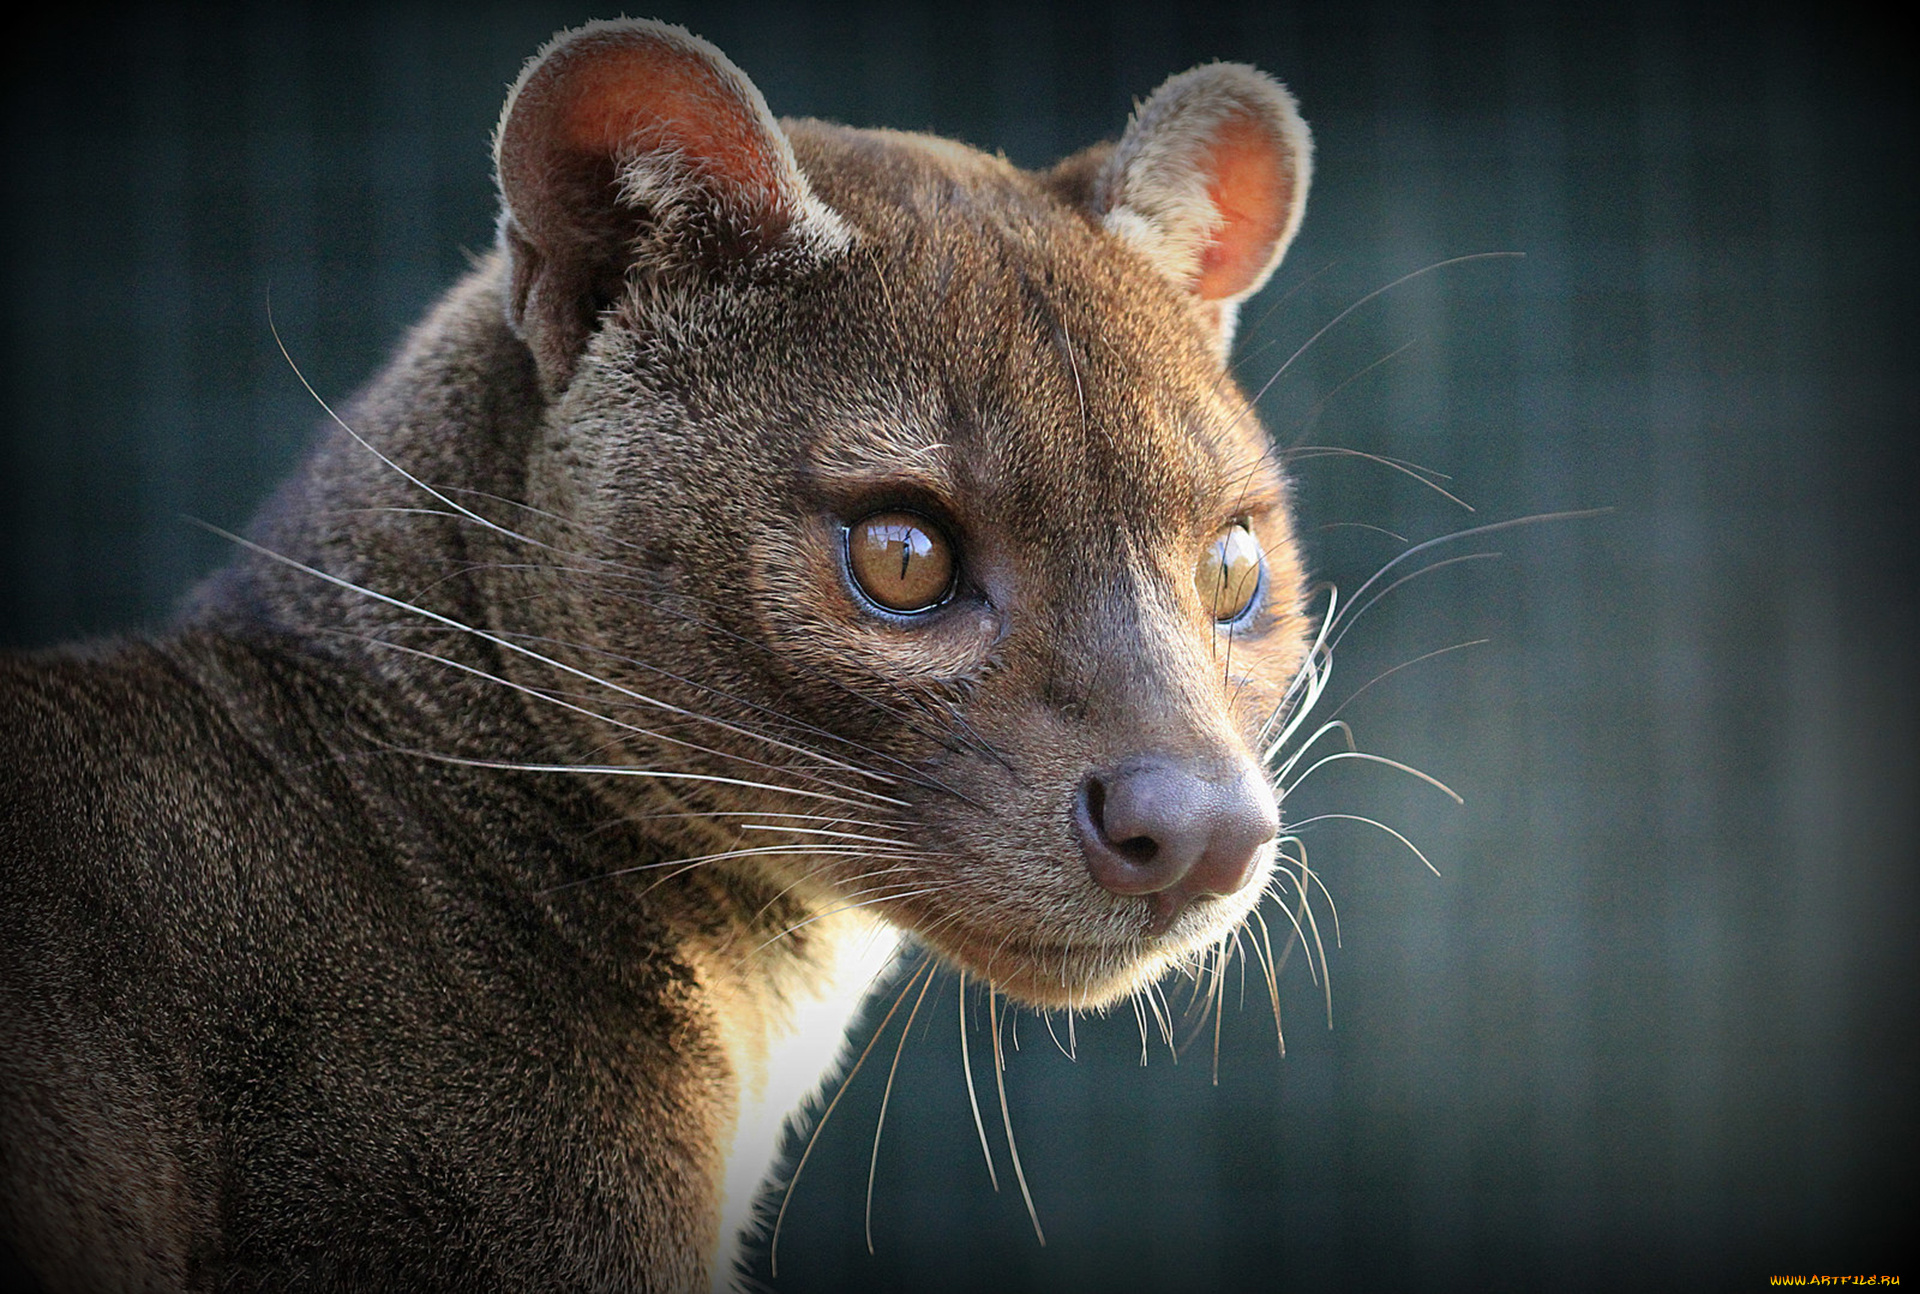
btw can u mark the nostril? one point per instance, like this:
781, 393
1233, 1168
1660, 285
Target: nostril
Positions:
1138, 849
1093, 798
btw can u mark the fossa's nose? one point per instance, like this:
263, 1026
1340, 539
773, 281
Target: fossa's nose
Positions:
1154, 827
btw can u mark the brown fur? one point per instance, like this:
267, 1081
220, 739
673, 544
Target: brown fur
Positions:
316, 974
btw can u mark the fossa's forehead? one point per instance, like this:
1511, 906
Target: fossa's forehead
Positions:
1039, 368
1026, 398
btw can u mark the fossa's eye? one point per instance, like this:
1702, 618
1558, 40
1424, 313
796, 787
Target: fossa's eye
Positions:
1228, 572
901, 560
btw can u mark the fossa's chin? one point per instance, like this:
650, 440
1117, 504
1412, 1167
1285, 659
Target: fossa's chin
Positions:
1116, 956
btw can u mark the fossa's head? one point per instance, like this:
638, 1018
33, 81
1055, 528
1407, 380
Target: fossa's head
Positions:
919, 483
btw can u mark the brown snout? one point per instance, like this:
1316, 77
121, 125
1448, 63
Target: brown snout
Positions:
1154, 826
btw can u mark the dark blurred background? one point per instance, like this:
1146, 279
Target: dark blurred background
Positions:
1653, 1024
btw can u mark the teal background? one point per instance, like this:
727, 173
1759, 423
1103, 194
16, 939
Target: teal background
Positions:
1652, 1026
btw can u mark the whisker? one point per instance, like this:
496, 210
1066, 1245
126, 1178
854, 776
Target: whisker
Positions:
973, 1100
1219, 998
618, 770
840, 819
851, 907
1313, 924
1333, 908
1442, 651
807, 752
911, 860
1474, 532
559, 699
1046, 1018
1266, 315
368, 445
1355, 817
886, 1095
1263, 949
822, 831
574, 523
682, 866
1006, 1121
484, 636
1162, 1017
1394, 535
1320, 405
384, 510
786, 1198
1284, 769
1408, 769
1382, 290
1295, 915
915, 775
1358, 609
1304, 689
1422, 475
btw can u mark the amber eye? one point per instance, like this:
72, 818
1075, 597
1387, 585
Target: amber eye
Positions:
901, 561
1228, 572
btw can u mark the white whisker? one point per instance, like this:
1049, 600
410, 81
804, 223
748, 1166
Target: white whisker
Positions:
886, 1094
773, 1244
1474, 532
1355, 817
1006, 1120
850, 907
1407, 664
493, 638
368, 445
619, 770
1408, 769
1382, 290
683, 865
1046, 1018
973, 1100
1358, 609
559, 699
822, 831
1263, 949
1284, 769
1423, 475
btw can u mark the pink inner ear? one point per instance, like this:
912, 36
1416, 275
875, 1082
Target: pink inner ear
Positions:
630, 98
1252, 189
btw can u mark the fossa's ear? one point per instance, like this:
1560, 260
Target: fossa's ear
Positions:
1209, 183
630, 144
